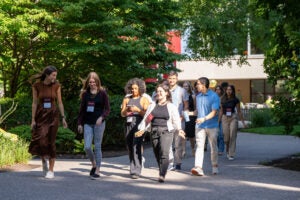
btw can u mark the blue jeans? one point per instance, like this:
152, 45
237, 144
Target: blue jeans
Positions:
221, 139
94, 132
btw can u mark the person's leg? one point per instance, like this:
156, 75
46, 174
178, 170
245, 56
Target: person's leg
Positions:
220, 140
233, 135
200, 142
165, 142
226, 132
137, 155
98, 136
212, 138
178, 150
192, 141
88, 139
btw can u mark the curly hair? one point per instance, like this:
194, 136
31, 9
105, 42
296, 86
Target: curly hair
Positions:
135, 81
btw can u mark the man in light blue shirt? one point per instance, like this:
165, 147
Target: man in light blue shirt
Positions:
207, 104
180, 100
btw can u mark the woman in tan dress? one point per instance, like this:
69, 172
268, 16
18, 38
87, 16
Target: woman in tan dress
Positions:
46, 94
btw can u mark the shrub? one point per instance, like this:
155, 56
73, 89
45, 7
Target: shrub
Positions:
261, 117
13, 152
64, 139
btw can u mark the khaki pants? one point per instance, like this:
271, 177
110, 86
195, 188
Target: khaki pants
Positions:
230, 127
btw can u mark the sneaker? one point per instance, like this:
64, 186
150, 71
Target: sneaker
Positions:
197, 171
171, 168
161, 179
49, 175
143, 162
230, 158
215, 170
178, 167
134, 176
95, 176
92, 172
45, 168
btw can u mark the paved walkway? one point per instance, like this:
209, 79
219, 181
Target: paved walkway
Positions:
240, 179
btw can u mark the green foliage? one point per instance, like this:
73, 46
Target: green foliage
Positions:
13, 152
114, 135
113, 38
286, 112
64, 139
272, 130
261, 117
22, 115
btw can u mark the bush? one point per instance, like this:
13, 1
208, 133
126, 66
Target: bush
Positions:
261, 117
64, 139
13, 152
19, 121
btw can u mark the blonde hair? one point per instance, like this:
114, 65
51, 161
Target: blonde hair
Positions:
86, 87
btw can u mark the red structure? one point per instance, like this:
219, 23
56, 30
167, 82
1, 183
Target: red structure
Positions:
174, 46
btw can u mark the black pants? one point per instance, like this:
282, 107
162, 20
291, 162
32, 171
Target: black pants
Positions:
161, 141
134, 146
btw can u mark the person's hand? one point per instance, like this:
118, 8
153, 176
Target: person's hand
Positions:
99, 121
33, 125
139, 133
80, 129
181, 133
65, 125
200, 120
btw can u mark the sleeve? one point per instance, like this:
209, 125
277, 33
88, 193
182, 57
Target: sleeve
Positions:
216, 102
81, 110
176, 122
106, 110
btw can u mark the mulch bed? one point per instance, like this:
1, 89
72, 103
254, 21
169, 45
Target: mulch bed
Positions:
289, 163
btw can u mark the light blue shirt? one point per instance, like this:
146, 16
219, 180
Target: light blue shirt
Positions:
205, 103
179, 95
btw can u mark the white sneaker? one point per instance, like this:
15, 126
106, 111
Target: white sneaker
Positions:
197, 171
215, 170
143, 162
171, 167
49, 175
230, 158
45, 167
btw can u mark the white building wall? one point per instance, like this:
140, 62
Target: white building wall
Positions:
192, 70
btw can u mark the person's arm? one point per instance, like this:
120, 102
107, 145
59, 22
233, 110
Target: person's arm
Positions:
61, 107
34, 107
240, 114
124, 107
106, 110
207, 117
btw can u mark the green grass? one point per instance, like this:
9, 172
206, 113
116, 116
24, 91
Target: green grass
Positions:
13, 152
272, 130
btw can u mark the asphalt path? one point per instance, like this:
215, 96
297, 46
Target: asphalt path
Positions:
243, 178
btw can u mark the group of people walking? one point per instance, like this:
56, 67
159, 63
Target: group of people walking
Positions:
171, 116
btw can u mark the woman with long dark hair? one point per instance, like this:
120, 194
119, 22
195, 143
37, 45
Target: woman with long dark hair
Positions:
230, 113
46, 96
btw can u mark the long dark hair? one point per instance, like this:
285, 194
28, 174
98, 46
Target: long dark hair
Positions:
42, 75
225, 97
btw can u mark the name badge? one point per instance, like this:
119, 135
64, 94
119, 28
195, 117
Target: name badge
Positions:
129, 119
228, 112
47, 103
90, 106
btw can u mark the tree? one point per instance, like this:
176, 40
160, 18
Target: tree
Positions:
117, 39
23, 30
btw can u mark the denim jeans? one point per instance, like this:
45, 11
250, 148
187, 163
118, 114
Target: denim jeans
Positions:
94, 132
212, 134
221, 139
161, 141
